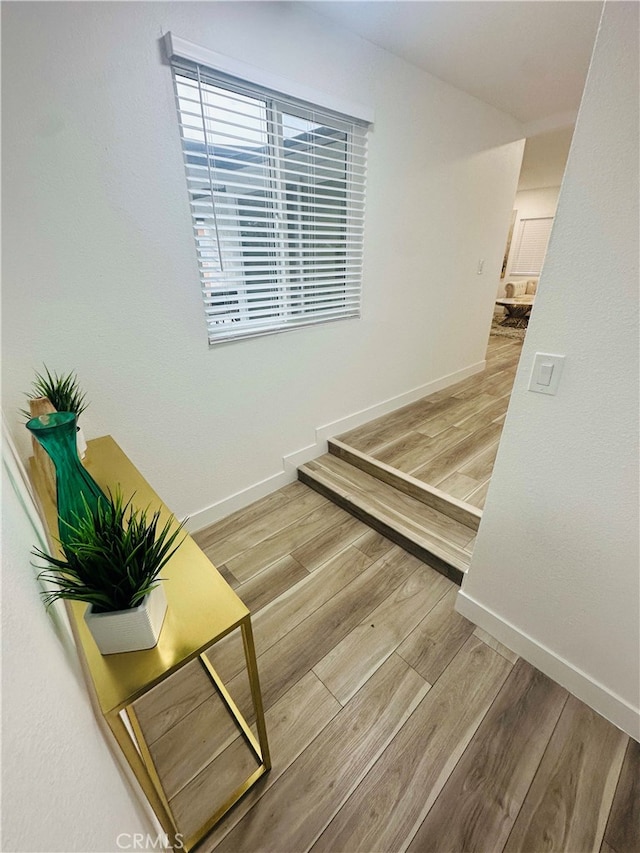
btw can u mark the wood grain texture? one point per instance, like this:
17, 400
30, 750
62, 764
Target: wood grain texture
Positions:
446, 436
414, 512
275, 580
458, 455
482, 797
325, 545
352, 661
456, 413
420, 448
623, 827
291, 608
502, 384
373, 544
498, 377
433, 644
481, 466
383, 429
243, 534
385, 811
293, 491
479, 496
307, 596
240, 519
410, 450
301, 648
496, 381
299, 806
194, 741
573, 789
426, 494
458, 485
403, 450
491, 384
293, 722
435, 538
233, 582
252, 560
495, 645
161, 708
448, 558
396, 778
487, 414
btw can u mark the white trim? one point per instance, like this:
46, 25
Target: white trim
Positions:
179, 47
208, 515
611, 706
221, 509
365, 415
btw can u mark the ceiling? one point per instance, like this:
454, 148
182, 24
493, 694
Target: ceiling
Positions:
528, 58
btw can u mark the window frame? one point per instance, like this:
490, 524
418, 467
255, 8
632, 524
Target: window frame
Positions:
337, 292
518, 265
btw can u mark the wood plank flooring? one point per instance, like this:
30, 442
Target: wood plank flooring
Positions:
393, 724
420, 475
449, 439
434, 537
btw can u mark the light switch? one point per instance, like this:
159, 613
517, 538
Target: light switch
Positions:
545, 374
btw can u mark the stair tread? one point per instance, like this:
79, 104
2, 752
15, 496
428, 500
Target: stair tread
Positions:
412, 509
443, 503
437, 533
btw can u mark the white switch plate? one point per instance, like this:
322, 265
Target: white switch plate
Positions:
546, 372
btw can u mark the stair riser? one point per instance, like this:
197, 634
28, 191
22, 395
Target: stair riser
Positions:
387, 530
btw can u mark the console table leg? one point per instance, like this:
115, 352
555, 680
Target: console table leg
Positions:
130, 752
256, 693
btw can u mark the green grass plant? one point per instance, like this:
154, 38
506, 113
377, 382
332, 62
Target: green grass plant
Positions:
113, 557
63, 392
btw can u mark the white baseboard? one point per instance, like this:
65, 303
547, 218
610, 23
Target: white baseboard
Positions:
611, 706
202, 518
312, 451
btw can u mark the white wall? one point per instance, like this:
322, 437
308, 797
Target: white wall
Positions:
554, 573
61, 788
529, 204
545, 158
99, 267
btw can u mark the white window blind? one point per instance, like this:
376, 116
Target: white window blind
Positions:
277, 193
531, 247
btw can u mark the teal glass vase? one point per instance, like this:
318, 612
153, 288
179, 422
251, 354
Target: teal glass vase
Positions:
77, 491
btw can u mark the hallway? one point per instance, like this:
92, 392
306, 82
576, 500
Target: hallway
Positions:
449, 439
394, 724
420, 475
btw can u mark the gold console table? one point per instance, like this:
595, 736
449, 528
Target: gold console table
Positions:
202, 609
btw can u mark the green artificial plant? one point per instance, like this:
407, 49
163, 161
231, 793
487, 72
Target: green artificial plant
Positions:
63, 392
113, 557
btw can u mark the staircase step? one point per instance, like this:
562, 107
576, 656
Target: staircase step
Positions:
462, 511
437, 539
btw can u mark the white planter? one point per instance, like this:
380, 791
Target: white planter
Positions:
81, 444
129, 630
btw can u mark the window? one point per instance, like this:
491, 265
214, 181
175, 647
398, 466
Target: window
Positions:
531, 246
277, 190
